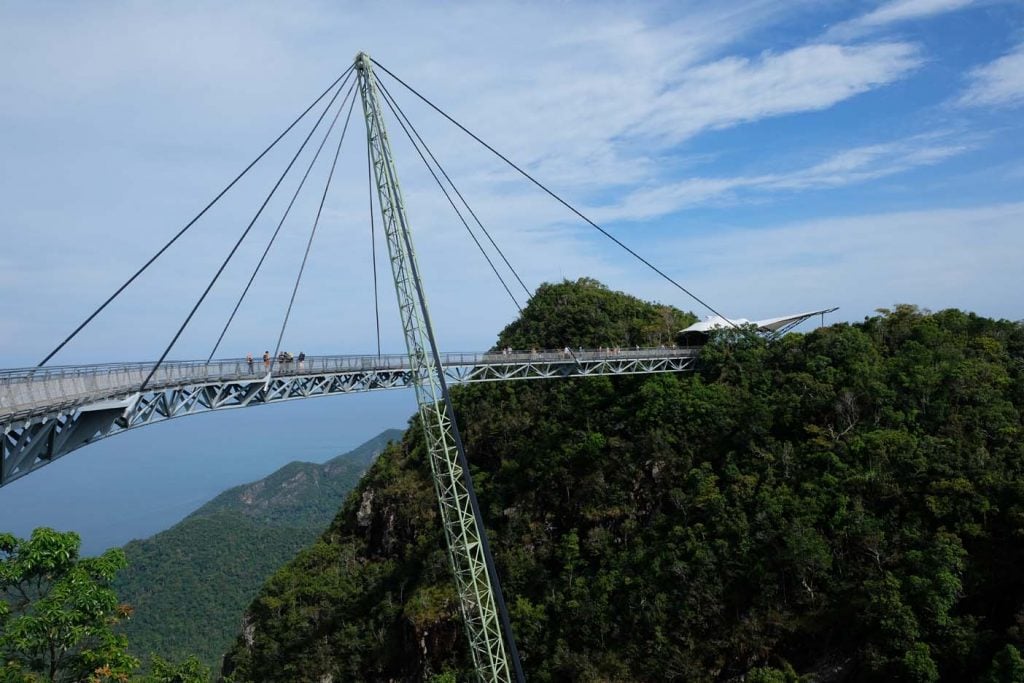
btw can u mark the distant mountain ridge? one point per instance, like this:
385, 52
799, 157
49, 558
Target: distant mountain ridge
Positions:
299, 493
190, 584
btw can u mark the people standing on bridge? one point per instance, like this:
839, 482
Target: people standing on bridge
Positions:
266, 360
302, 360
248, 360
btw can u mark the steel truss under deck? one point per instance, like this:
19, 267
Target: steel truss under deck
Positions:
47, 413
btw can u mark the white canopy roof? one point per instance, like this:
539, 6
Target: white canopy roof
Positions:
717, 322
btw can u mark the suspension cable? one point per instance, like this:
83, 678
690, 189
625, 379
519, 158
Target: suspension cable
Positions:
231, 253
193, 221
555, 196
373, 240
452, 183
279, 225
452, 202
316, 222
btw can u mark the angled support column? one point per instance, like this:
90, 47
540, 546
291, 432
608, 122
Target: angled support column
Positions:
476, 581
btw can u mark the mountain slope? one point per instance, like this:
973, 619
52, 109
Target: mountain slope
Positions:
846, 505
189, 584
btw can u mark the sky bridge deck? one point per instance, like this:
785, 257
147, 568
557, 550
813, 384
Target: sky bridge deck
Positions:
50, 411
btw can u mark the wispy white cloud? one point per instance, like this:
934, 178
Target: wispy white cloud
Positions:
567, 91
894, 12
808, 78
607, 126
168, 102
615, 99
999, 83
903, 10
939, 258
846, 167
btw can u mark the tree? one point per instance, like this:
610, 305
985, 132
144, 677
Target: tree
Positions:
189, 671
58, 612
846, 505
1007, 667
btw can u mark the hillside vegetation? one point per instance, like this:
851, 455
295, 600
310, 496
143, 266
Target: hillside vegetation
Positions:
843, 505
189, 585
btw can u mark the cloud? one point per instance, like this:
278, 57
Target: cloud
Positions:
584, 94
564, 89
903, 10
847, 167
608, 126
999, 83
808, 78
134, 130
613, 97
893, 12
967, 258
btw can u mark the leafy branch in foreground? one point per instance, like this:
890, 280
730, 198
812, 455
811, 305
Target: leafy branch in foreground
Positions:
58, 612
58, 616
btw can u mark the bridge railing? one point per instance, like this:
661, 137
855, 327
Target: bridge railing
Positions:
27, 389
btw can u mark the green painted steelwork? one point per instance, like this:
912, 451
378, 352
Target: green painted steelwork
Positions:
466, 546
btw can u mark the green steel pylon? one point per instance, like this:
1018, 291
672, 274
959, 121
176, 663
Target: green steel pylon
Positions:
467, 545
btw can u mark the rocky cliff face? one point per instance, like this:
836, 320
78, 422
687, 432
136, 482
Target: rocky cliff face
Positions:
357, 568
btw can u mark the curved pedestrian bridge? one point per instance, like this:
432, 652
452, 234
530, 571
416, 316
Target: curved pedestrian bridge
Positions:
50, 411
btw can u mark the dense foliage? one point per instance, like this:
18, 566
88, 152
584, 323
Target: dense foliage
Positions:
58, 617
190, 670
845, 505
190, 584
585, 313
58, 612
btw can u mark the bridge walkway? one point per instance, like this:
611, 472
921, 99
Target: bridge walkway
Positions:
50, 411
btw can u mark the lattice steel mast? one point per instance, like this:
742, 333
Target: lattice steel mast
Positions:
479, 593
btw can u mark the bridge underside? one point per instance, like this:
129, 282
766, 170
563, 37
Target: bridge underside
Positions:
35, 433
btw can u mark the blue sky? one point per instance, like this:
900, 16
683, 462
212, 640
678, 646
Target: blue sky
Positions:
773, 157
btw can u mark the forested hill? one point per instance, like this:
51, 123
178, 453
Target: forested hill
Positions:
300, 494
845, 505
190, 584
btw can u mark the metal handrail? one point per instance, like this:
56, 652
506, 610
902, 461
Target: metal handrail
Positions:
388, 361
61, 387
